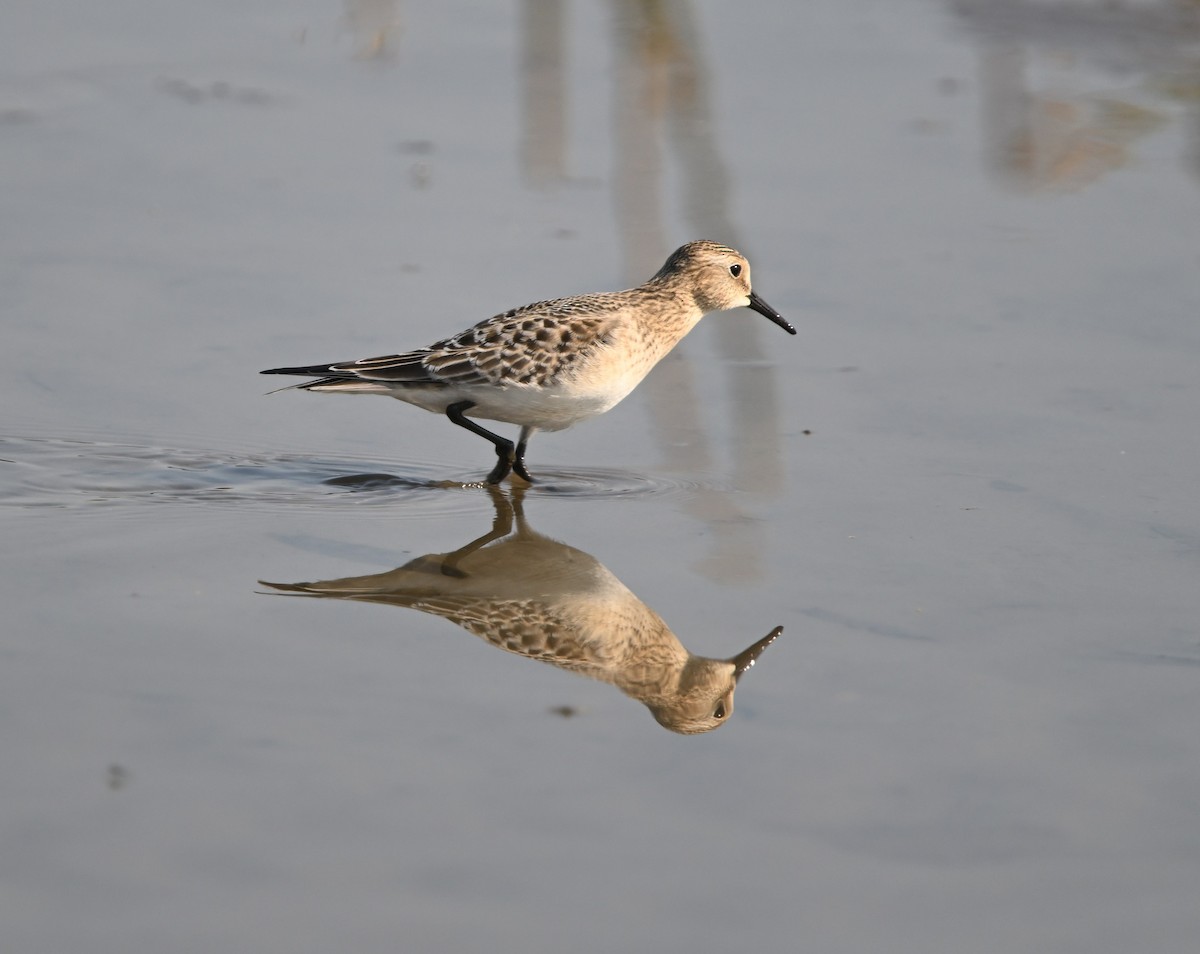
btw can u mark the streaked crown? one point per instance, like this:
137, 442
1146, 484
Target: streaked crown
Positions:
717, 275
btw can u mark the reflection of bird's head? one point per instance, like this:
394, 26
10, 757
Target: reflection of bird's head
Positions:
703, 699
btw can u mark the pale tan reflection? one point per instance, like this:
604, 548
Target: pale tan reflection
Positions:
665, 129
530, 595
1073, 131
376, 24
663, 111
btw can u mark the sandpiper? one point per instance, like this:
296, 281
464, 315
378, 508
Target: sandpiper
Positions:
554, 363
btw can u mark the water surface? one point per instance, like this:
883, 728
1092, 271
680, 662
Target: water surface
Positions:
966, 489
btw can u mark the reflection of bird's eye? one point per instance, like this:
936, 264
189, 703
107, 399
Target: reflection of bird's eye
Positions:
735, 270
719, 712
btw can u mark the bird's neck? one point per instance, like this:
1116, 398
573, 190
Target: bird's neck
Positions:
677, 314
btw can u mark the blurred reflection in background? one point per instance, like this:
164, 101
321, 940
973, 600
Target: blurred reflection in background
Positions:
663, 116
376, 26
1069, 89
663, 131
543, 93
663, 109
541, 599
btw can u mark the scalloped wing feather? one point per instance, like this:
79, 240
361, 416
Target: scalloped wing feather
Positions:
532, 345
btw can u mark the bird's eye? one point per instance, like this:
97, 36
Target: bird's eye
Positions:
719, 711
735, 270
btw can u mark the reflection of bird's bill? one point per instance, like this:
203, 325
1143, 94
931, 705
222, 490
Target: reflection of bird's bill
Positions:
745, 659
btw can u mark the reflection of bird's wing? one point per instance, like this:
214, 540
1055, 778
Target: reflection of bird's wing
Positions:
525, 627
527, 594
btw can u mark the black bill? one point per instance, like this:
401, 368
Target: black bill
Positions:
764, 309
745, 659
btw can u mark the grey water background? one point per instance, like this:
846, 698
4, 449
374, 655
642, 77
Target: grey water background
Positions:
967, 489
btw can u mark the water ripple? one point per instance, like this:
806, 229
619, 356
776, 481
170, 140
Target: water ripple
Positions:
61, 473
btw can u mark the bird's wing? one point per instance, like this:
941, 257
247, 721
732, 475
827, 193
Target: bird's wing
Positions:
530, 345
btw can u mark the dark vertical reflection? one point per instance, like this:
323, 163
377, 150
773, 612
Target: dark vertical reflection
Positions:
1004, 106
663, 115
543, 94
753, 403
646, 54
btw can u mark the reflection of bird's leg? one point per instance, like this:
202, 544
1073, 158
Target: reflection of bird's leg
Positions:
502, 524
515, 504
504, 447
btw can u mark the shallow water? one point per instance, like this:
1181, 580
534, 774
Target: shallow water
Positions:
47, 472
966, 489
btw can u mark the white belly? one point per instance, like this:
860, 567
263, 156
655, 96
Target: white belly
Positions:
603, 381
548, 409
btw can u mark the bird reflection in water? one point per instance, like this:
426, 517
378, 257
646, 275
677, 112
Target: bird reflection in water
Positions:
530, 595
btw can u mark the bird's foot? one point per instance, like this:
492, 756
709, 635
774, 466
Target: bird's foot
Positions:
499, 472
518, 466
504, 464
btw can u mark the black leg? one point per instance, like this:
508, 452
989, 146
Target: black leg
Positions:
519, 454
518, 464
504, 448
503, 466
